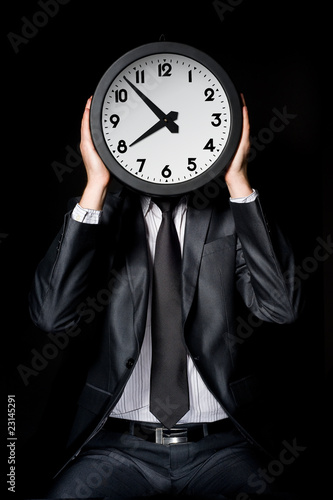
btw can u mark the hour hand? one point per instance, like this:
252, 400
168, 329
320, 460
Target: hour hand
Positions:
168, 119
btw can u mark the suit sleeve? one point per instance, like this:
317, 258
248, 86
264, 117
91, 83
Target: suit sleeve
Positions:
62, 278
265, 266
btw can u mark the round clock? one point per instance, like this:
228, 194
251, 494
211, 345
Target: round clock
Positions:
165, 119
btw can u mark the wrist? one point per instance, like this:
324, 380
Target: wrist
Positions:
239, 186
93, 196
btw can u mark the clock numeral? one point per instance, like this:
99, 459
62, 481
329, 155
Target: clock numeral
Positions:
140, 76
121, 95
122, 147
166, 172
209, 93
143, 161
114, 119
210, 145
164, 69
217, 120
191, 164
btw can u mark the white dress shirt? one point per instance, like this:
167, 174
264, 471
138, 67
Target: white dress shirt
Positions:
134, 402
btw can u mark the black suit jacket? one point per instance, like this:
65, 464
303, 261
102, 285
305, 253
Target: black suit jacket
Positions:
99, 275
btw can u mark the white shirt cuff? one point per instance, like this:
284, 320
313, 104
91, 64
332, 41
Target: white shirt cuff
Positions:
246, 199
86, 215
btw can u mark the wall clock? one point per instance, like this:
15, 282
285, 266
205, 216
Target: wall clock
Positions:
166, 119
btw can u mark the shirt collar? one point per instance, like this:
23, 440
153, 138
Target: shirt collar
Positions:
147, 204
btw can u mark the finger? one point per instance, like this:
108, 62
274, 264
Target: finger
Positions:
85, 127
88, 103
246, 121
85, 118
245, 137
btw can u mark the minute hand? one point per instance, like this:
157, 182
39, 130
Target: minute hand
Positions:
170, 125
162, 123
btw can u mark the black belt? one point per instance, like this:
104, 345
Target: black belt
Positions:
177, 435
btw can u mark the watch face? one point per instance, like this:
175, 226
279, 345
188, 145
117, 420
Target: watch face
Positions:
165, 122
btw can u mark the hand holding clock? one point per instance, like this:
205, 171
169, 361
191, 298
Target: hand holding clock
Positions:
98, 175
236, 175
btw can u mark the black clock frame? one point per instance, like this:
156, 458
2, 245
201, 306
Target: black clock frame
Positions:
118, 171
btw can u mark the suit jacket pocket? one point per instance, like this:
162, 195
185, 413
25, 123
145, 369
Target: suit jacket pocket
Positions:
220, 244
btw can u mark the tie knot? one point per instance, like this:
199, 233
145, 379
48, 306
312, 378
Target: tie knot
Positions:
166, 204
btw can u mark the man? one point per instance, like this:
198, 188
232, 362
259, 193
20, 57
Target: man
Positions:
98, 272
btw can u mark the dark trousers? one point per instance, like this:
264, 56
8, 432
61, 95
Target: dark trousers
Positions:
121, 466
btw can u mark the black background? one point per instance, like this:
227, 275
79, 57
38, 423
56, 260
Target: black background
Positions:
278, 55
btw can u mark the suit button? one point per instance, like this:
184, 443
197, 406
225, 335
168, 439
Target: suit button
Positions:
130, 363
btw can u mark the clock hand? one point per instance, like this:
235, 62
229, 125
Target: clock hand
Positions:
158, 112
173, 115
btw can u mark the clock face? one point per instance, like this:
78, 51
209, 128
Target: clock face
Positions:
164, 120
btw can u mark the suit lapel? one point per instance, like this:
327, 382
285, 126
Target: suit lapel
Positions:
137, 263
197, 224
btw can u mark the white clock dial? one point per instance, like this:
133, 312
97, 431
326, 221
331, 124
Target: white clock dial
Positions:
166, 118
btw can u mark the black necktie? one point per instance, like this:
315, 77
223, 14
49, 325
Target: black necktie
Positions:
169, 399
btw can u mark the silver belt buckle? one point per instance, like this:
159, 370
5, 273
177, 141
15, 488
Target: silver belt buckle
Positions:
161, 436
